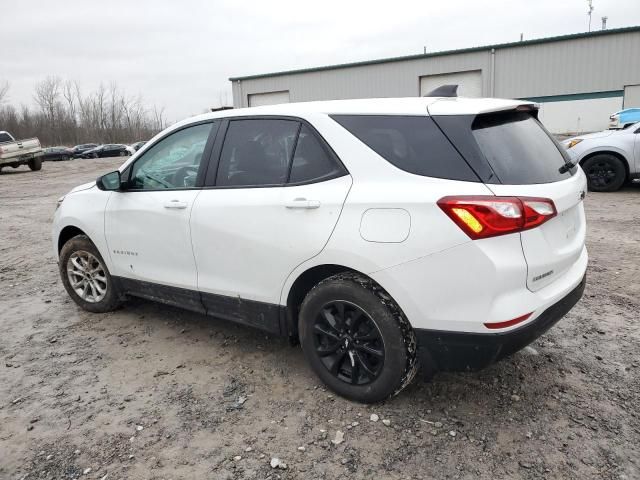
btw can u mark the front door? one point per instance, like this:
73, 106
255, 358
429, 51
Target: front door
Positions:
276, 198
147, 224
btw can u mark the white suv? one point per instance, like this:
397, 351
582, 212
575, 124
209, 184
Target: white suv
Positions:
381, 233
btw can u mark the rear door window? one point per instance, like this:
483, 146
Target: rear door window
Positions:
518, 148
257, 152
311, 161
414, 144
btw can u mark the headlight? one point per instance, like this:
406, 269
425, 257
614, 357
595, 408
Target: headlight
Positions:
572, 143
59, 202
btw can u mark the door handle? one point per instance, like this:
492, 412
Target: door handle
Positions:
177, 204
303, 203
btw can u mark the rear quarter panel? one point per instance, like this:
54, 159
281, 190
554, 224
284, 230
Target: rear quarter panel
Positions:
377, 184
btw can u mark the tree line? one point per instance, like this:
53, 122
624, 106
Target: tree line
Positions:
64, 115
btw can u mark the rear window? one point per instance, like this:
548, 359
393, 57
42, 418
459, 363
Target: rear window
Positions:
4, 137
518, 148
414, 144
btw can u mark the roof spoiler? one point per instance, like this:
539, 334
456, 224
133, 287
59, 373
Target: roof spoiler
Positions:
444, 91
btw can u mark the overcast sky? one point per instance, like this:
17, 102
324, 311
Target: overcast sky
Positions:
179, 54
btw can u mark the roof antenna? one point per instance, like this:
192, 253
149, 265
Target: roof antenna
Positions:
444, 91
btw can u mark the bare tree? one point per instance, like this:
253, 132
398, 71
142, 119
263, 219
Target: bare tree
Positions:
66, 115
69, 94
4, 90
47, 95
158, 115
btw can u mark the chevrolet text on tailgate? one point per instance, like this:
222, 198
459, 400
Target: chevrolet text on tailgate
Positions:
383, 234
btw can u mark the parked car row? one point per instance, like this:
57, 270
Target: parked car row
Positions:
91, 150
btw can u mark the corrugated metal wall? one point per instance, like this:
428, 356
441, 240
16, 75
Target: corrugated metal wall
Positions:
579, 65
393, 79
582, 65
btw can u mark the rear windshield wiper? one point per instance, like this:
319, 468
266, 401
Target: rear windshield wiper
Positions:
566, 167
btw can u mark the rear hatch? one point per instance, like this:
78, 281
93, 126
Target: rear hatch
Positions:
515, 156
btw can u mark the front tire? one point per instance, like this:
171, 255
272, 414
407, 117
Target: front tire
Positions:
356, 338
605, 173
85, 276
35, 164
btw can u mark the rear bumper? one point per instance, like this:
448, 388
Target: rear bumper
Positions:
460, 351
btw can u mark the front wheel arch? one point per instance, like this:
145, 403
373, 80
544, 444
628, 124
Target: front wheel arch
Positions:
621, 157
616, 162
67, 233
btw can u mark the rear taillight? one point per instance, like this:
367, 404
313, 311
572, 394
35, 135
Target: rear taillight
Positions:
483, 216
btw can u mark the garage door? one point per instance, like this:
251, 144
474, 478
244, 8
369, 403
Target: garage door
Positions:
269, 98
632, 96
469, 83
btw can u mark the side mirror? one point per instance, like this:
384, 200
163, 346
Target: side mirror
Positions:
109, 181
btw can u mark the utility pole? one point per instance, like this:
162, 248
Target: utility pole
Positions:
604, 23
590, 3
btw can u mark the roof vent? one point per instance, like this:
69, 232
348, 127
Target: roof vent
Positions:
444, 91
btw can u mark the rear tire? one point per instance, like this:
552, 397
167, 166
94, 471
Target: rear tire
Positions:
35, 164
356, 338
605, 173
85, 276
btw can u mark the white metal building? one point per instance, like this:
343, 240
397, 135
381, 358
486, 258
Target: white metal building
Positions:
579, 79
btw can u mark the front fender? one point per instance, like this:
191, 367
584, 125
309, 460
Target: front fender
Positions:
84, 210
580, 156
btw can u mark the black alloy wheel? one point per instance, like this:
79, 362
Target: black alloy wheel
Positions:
356, 338
348, 343
605, 173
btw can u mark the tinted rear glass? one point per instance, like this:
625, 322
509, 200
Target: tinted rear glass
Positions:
4, 137
414, 144
518, 148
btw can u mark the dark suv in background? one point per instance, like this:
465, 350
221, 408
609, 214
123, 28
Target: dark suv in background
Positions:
107, 150
78, 150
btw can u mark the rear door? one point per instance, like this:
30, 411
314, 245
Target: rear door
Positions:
273, 198
527, 161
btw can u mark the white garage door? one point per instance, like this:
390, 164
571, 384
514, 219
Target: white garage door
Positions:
269, 98
632, 96
469, 83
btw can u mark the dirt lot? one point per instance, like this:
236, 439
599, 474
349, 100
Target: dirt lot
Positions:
153, 392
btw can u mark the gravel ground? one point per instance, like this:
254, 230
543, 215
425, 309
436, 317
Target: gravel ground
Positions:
154, 392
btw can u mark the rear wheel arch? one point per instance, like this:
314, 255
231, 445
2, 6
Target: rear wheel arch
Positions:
396, 338
309, 279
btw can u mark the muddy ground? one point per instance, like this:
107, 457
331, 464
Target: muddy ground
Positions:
153, 392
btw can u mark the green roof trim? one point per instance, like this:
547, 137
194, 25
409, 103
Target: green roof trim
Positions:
575, 96
523, 43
